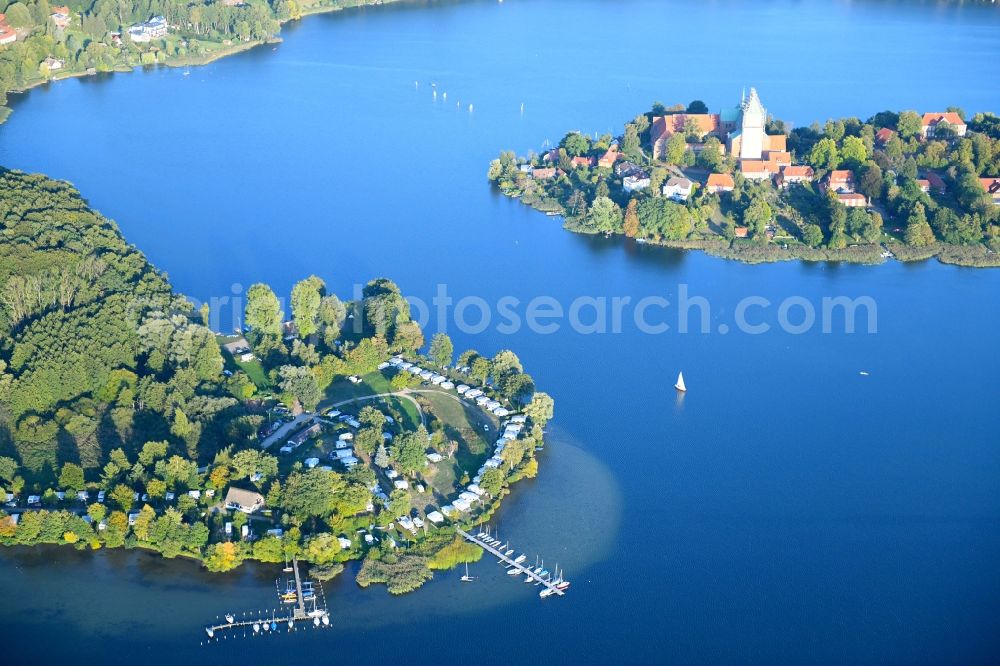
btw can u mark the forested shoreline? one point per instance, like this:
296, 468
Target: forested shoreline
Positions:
123, 422
93, 38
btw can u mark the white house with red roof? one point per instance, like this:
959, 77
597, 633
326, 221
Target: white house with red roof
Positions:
931, 122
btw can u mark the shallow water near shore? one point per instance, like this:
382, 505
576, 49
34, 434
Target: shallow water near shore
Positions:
787, 508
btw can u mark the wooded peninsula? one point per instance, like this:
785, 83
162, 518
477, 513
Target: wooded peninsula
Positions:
741, 184
327, 436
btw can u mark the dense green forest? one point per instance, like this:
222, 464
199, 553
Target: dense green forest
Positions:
123, 422
96, 37
924, 195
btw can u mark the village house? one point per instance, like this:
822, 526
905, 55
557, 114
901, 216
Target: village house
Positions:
719, 182
53, 64
741, 232
931, 122
852, 199
756, 169
543, 174
635, 183
7, 33
608, 159
678, 189
246, 501
883, 136
795, 174
154, 28
61, 17
992, 187
582, 161
924, 184
937, 185
840, 180
625, 168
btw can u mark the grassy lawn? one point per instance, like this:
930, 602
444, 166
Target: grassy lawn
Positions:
462, 424
372, 384
256, 373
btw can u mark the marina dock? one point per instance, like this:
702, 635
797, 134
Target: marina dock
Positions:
552, 585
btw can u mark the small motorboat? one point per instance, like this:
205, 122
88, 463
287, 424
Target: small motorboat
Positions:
514, 571
546, 592
256, 627
229, 618
208, 630
326, 620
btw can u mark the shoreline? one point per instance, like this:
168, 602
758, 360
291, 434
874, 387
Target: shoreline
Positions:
183, 61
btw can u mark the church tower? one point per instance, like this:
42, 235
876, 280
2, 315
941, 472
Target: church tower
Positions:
753, 117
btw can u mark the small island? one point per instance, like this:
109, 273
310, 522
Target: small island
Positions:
42, 42
741, 184
324, 437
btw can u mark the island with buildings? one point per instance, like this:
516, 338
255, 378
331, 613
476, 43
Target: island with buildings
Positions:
324, 436
741, 184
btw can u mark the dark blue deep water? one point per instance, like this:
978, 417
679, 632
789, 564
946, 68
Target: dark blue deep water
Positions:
788, 509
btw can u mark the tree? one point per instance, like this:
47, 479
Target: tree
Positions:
97, 512
697, 106
604, 215
382, 457
576, 144
675, 148
909, 124
123, 496
331, 317
918, 231
263, 311
492, 481
757, 215
854, 152
408, 337
322, 548
223, 557
711, 157
299, 383
871, 182
812, 235
442, 350
630, 142
630, 226
824, 154
71, 477
409, 449
541, 408
307, 296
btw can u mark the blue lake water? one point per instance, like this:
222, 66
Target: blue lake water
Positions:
787, 508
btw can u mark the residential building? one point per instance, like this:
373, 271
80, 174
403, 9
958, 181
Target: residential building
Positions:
678, 189
852, 199
795, 174
7, 33
588, 162
741, 232
246, 501
608, 159
931, 122
663, 127
992, 187
756, 169
925, 185
883, 136
543, 174
840, 180
634, 183
61, 17
154, 28
719, 182
53, 64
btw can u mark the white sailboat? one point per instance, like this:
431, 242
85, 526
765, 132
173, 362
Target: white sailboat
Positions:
680, 383
467, 578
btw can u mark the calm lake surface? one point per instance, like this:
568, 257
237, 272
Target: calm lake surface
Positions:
787, 509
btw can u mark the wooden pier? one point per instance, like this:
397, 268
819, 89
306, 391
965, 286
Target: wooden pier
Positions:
523, 568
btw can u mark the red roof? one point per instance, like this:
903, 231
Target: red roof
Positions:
754, 166
841, 176
797, 172
56, 9
991, 185
674, 123
584, 161
884, 134
852, 197
949, 117
720, 180
935, 181
741, 232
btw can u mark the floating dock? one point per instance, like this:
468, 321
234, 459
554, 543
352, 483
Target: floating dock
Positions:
521, 568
